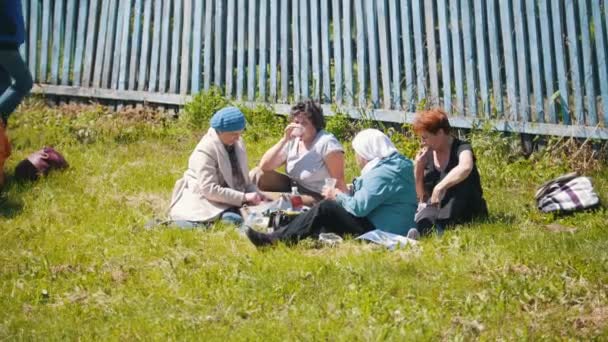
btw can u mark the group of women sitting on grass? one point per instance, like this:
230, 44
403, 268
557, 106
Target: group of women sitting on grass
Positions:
440, 188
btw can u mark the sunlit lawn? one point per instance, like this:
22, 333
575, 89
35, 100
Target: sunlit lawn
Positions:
76, 262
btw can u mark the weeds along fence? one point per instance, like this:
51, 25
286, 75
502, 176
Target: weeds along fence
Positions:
528, 66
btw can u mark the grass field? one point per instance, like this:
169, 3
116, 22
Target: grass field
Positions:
76, 262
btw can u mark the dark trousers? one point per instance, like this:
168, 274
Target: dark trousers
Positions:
427, 220
326, 217
12, 67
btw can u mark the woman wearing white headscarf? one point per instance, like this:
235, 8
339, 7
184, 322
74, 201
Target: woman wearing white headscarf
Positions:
384, 197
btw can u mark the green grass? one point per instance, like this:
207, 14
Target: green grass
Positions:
76, 262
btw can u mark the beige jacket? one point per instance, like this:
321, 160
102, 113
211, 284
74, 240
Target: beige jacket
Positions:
207, 188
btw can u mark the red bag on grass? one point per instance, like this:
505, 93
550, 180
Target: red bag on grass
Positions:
39, 164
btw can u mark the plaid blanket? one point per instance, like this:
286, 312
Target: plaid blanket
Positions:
566, 193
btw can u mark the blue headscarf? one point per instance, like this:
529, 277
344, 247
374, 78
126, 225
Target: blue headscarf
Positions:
228, 119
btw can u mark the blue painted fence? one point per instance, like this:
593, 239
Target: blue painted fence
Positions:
532, 66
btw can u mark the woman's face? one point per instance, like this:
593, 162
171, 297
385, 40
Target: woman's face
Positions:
229, 138
361, 162
433, 141
309, 130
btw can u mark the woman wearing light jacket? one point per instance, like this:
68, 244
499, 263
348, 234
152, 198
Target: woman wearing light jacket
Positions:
383, 197
217, 182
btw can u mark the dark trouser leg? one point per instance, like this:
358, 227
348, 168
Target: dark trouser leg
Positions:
428, 221
327, 216
12, 65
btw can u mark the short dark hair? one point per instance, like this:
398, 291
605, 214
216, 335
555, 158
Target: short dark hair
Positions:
313, 112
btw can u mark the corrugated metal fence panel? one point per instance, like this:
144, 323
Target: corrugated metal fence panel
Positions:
548, 56
588, 77
361, 59
25, 10
81, 33
600, 50
240, 55
284, 15
514, 60
325, 51
535, 60
495, 59
560, 56
408, 61
446, 56
146, 40
522, 60
457, 59
274, 42
263, 64
395, 53
347, 45
251, 49
197, 31
372, 48
32, 41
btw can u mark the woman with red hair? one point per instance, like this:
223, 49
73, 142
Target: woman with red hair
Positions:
448, 185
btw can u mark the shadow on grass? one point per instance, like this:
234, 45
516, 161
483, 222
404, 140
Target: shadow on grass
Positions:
499, 217
11, 199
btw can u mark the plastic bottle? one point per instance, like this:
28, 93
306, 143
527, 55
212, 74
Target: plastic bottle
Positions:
296, 199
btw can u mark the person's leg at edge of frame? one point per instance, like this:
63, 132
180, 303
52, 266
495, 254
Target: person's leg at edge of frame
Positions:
5, 83
13, 68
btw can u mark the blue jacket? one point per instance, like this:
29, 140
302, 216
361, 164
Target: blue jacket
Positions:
12, 26
385, 195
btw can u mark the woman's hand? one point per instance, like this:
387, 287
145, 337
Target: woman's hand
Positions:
419, 165
422, 155
438, 194
289, 130
253, 198
330, 193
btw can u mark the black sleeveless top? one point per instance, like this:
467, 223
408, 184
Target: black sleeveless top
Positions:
463, 201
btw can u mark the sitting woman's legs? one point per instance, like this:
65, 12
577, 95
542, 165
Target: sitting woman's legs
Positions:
276, 182
270, 180
231, 216
327, 216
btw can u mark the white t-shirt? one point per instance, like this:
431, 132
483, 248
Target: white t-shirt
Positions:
309, 169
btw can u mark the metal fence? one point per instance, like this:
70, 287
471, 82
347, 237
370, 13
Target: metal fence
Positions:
531, 66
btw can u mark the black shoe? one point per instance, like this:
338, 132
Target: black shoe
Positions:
259, 239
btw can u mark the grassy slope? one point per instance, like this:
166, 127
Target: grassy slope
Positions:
75, 261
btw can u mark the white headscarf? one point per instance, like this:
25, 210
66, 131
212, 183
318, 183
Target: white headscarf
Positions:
372, 145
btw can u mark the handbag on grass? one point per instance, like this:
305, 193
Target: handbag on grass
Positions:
39, 164
567, 193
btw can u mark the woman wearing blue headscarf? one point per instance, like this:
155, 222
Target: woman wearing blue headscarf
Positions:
217, 181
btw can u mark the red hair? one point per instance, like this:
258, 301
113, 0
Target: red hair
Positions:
431, 121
